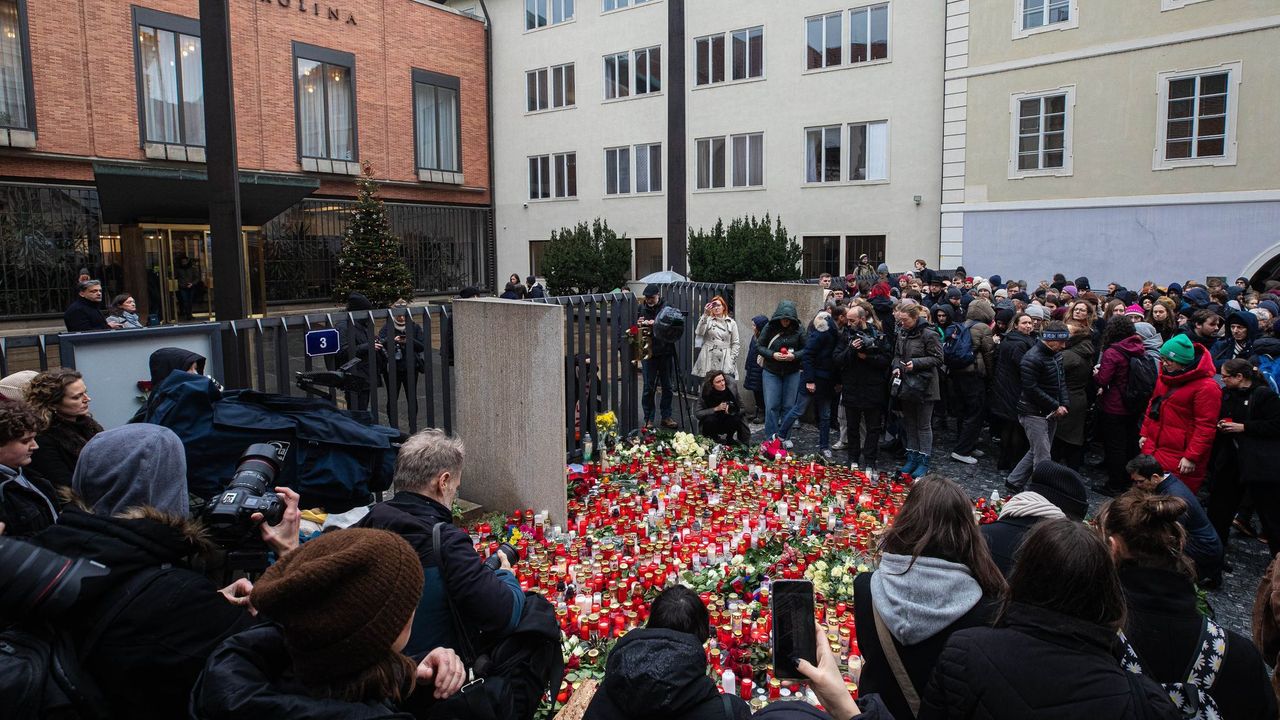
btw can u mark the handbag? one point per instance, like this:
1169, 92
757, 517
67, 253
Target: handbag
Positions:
912, 387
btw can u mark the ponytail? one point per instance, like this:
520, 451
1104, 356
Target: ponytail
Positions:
1240, 366
1149, 526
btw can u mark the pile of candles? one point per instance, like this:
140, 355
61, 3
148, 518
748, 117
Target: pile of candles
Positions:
726, 528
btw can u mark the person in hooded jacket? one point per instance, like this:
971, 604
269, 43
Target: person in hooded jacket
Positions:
1054, 491
1164, 630
163, 363
918, 351
817, 365
1077, 372
1050, 655
969, 384
342, 607
1247, 452
720, 416
1117, 424
62, 401
395, 337
780, 349
1181, 421
356, 336
1242, 331
1151, 341
660, 670
935, 577
1006, 388
753, 381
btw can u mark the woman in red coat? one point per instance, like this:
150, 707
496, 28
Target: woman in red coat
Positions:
1181, 421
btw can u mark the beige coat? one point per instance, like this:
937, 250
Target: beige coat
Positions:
720, 346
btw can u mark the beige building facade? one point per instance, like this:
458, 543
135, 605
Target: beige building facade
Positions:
1124, 141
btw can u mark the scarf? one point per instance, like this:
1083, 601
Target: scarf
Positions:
1030, 504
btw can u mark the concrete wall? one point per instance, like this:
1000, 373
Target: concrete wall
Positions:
762, 298
511, 408
1126, 244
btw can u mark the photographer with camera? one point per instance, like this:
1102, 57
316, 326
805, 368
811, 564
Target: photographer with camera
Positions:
862, 358
28, 504
660, 365
468, 604
165, 617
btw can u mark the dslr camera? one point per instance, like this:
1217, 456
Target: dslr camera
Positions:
229, 514
493, 562
40, 583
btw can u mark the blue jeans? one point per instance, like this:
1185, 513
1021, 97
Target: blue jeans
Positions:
821, 397
657, 371
779, 395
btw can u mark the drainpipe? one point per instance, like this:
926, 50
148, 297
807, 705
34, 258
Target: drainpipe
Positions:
491, 252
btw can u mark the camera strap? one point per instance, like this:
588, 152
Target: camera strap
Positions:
464, 638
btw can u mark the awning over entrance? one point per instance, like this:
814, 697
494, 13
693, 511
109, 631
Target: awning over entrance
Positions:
132, 194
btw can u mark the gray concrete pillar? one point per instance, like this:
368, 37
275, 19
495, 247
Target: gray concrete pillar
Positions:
510, 404
762, 298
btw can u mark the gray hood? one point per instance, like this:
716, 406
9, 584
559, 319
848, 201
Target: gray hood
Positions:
1151, 339
918, 603
138, 465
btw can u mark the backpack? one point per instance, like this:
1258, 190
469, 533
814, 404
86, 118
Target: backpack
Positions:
957, 347
1141, 384
41, 677
1269, 366
1191, 696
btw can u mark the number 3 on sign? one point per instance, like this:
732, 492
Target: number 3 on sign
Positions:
322, 342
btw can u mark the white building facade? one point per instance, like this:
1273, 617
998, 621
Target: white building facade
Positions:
826, 113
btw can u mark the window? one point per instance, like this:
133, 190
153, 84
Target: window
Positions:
648, 73
16, 102
868, 151
1198, 117
649, 168
537, 248
553, 176
823, 35
748, 53
648, 256
748, 160
1035, 16
821, 254
869, 33
617, 171
711, 163
1176, 4
540, 13
170, 83
620, 4
436, 122
709, 59
551, 87
326, 103
855, 246
1041, 133
822, 154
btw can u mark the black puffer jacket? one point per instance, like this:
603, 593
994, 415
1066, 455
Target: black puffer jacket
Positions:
1004, 537
28, 507
658, 673
60, 446
1044, 386
1258, 447
250, 676
774, 337
1008, 377
1163, 626
864, 372
148, 658
1039, 664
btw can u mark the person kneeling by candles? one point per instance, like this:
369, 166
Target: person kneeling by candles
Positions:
508, 637
721, 416
661, 669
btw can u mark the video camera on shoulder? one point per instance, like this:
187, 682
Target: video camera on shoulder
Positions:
229, 515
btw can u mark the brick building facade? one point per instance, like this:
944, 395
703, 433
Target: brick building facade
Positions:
102, 134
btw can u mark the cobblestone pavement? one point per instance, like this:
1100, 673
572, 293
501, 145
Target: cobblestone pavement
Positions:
1232, 603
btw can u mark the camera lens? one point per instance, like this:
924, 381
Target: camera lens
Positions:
257, 468
39, 581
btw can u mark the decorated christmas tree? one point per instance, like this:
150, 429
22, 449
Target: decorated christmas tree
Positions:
370, 261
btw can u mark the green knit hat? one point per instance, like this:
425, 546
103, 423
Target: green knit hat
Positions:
1179, 349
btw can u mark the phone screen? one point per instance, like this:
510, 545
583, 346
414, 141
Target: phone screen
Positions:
793, 630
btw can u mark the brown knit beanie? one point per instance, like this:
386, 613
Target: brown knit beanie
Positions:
343, 599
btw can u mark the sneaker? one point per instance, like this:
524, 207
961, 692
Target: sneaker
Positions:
825, 453
670, 424
838, 445
788, 444
966, 459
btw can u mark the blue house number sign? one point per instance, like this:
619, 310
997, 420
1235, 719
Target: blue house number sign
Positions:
322, 342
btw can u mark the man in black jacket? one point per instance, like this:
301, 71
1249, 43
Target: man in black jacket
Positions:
658, 368
28, 504
862, 358
84, 313
1043, 400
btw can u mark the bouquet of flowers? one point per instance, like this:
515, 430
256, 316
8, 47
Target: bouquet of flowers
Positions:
833, 574
772, 449
687, 445
988, 509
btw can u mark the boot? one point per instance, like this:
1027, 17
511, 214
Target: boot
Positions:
913, 459
922, 467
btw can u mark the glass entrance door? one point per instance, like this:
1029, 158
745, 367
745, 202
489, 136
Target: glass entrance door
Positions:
180, 274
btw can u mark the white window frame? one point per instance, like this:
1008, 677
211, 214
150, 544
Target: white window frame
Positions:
711, 58
732, 164
620, 176
711, 163
551, 8
728, 55
541, 79
560, 176
643, 154
848, 152
621, 5
839, 16
888, 34
564, 70
635, 68
839, 129
1072, 22
546, 180
550, 73
1177, 4
630, 91
624, 93
1015, 101
1228, 158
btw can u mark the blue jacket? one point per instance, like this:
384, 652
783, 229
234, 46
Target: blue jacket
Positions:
754, 373
1225, 348
818, 360
1203, 544
489, 602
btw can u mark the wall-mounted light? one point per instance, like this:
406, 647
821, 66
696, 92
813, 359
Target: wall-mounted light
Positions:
917, 199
